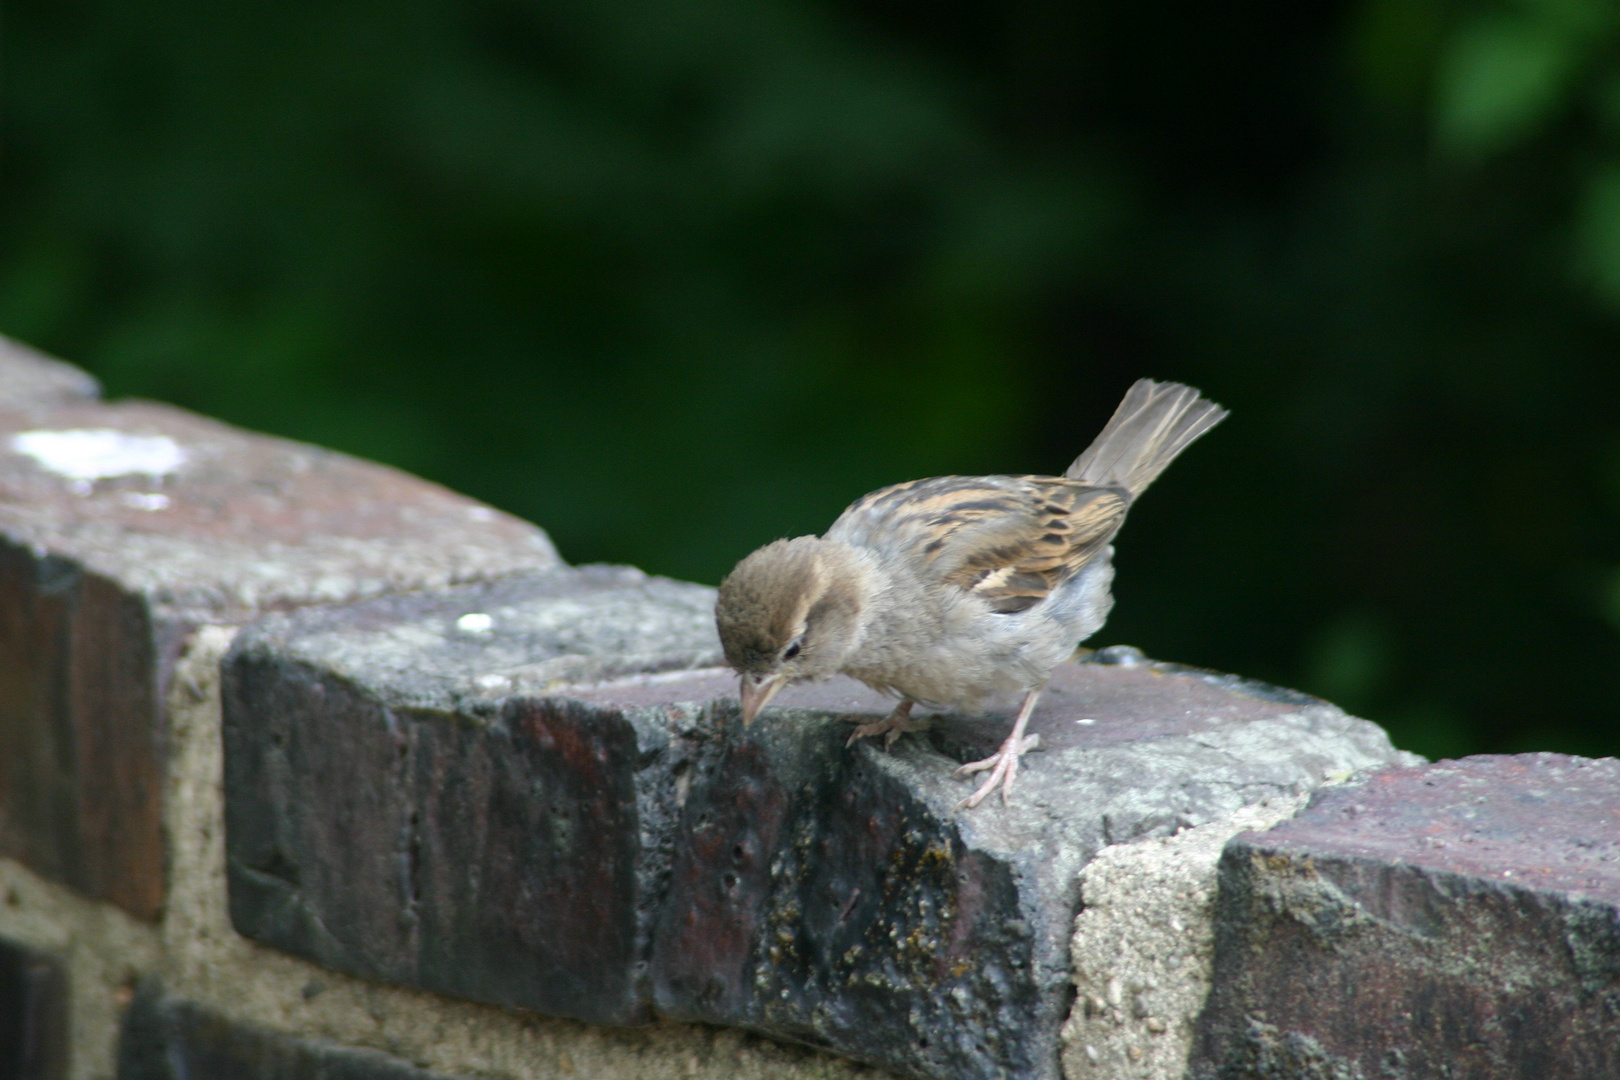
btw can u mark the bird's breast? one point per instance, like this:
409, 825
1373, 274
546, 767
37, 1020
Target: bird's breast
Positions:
950, 661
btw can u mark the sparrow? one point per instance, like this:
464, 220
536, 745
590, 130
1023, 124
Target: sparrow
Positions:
947, 590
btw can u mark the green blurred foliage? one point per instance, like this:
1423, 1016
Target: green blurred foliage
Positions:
675, 279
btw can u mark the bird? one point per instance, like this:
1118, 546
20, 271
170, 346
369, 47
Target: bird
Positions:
947, 590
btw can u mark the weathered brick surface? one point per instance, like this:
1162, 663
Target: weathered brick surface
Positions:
103, 573
168, 1038
1457, 920
543, 824
404, 801
33, 1014
835, 897
33, 377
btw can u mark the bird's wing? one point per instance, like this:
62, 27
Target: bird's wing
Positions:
1010, 540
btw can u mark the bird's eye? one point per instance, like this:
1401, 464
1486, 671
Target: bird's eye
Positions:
793, 650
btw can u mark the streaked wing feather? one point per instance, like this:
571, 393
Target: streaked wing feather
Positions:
1008, 539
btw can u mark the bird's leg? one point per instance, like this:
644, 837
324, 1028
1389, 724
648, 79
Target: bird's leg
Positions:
891, 727
1003, 764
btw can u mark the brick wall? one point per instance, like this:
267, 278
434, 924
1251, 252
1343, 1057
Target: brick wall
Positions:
311, 768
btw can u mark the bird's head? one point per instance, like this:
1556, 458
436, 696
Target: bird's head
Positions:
789, 612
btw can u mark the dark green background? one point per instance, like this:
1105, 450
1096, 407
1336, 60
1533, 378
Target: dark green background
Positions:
673, 279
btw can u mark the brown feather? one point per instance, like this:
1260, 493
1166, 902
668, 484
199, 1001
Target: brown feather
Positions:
1010, 540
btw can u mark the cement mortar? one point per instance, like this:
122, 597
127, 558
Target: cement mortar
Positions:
1143, 949
206, 961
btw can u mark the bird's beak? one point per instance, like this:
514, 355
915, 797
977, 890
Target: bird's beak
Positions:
754, 695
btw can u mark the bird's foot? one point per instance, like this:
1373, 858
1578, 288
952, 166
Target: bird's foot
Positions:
1003, 766
891, 727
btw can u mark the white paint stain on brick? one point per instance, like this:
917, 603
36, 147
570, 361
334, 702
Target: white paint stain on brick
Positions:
144, 500
84, 455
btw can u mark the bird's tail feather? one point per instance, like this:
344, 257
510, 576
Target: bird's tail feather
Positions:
1154, 423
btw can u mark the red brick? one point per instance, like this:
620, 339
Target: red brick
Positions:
1456, 919
102, 579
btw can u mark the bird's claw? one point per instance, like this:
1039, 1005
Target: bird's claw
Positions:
1003, 766
1031, 742
890, 727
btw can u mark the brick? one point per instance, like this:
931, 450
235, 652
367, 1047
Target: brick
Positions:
169, 1038
1460, 919
533, 793
835, 898
102, 577
32, 377
33, 1014
406, 801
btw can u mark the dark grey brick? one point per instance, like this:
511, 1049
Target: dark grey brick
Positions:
1457, 920
835, 898
169, 1038
33, 1014
405, 802
103, 578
